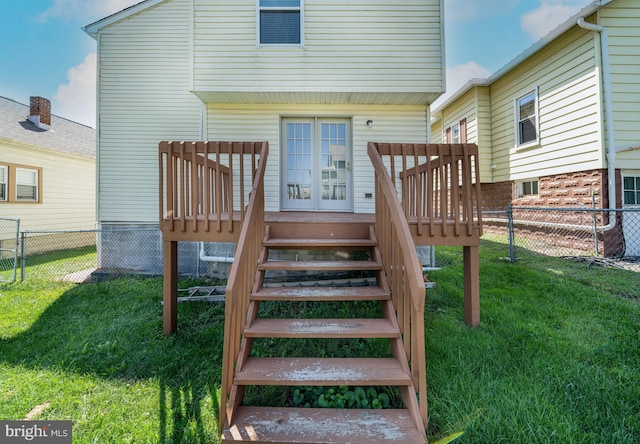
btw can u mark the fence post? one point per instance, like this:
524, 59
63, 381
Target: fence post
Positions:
595, 223
512, 244
23, 259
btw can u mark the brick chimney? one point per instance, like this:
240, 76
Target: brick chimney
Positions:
40, 112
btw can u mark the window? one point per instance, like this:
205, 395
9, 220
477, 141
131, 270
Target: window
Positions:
457, 133
280, 21
527, 188
527, 118
631, 185
26, 184
20, 183
3, 182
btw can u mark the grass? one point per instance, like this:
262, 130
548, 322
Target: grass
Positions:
556, 358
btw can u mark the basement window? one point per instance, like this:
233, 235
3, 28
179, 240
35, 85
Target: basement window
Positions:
631, 190
280, 22
527, 188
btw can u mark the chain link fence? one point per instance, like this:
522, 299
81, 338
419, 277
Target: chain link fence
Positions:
9, 231
83, 255
598, 238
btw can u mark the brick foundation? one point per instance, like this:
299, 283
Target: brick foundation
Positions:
583, 189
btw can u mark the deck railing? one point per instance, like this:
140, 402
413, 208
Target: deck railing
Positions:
404, 273
242, 278
204, 186
439, 185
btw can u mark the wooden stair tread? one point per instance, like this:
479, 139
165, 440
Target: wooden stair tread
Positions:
314, 243
321, 328
320, 293
322, 371
321, 265
307, 426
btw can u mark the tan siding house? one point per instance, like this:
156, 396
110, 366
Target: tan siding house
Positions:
47, 168
542, 118
340, 75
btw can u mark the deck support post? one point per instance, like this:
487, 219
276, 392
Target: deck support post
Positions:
471, 286
170, 289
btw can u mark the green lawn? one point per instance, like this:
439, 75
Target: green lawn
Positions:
556, 359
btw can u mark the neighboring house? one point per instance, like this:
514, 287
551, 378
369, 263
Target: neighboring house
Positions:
47, 168
542, 121
317, 79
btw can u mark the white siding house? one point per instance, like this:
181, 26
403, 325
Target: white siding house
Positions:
542, 121
47, 168
342, 73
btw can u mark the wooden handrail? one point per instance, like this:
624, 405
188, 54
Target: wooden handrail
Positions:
448, 176
403, 270
241, 278
204, 183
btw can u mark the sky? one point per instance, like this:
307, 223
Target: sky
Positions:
44, 52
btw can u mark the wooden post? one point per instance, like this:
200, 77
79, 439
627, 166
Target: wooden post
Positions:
170, 290
471, 286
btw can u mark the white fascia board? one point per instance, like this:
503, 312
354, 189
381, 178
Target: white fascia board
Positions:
544, 41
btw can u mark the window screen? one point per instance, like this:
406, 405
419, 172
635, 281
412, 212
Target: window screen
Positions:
280, 21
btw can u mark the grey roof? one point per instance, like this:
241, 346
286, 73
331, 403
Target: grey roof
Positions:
65, 135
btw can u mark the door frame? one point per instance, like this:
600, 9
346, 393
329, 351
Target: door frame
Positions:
316, 203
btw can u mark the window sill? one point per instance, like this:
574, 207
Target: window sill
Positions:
526, 146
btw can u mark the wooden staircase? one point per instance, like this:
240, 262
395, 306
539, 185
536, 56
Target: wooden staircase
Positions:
261, 424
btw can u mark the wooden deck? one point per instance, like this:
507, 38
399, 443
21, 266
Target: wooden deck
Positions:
214, 192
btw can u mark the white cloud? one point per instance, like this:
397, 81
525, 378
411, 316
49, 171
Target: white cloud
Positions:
548, 16
458, 76
76, 100
464, 10
85, 10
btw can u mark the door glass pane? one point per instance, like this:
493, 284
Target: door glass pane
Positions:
334, 161
299, 161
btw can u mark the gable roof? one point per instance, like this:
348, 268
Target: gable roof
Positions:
93, 28
592, 7
65, 135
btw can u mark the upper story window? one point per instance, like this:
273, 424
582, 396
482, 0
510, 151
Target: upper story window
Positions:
631, 192
280, 22
20, 184
527, 129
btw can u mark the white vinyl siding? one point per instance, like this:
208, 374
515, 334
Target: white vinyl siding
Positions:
569, 111
144, 73
621, 20
67, 193
262, 122
354, 52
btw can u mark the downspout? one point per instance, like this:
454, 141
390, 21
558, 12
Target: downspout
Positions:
608, 105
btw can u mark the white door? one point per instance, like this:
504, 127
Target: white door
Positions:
317, 158
631, 219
